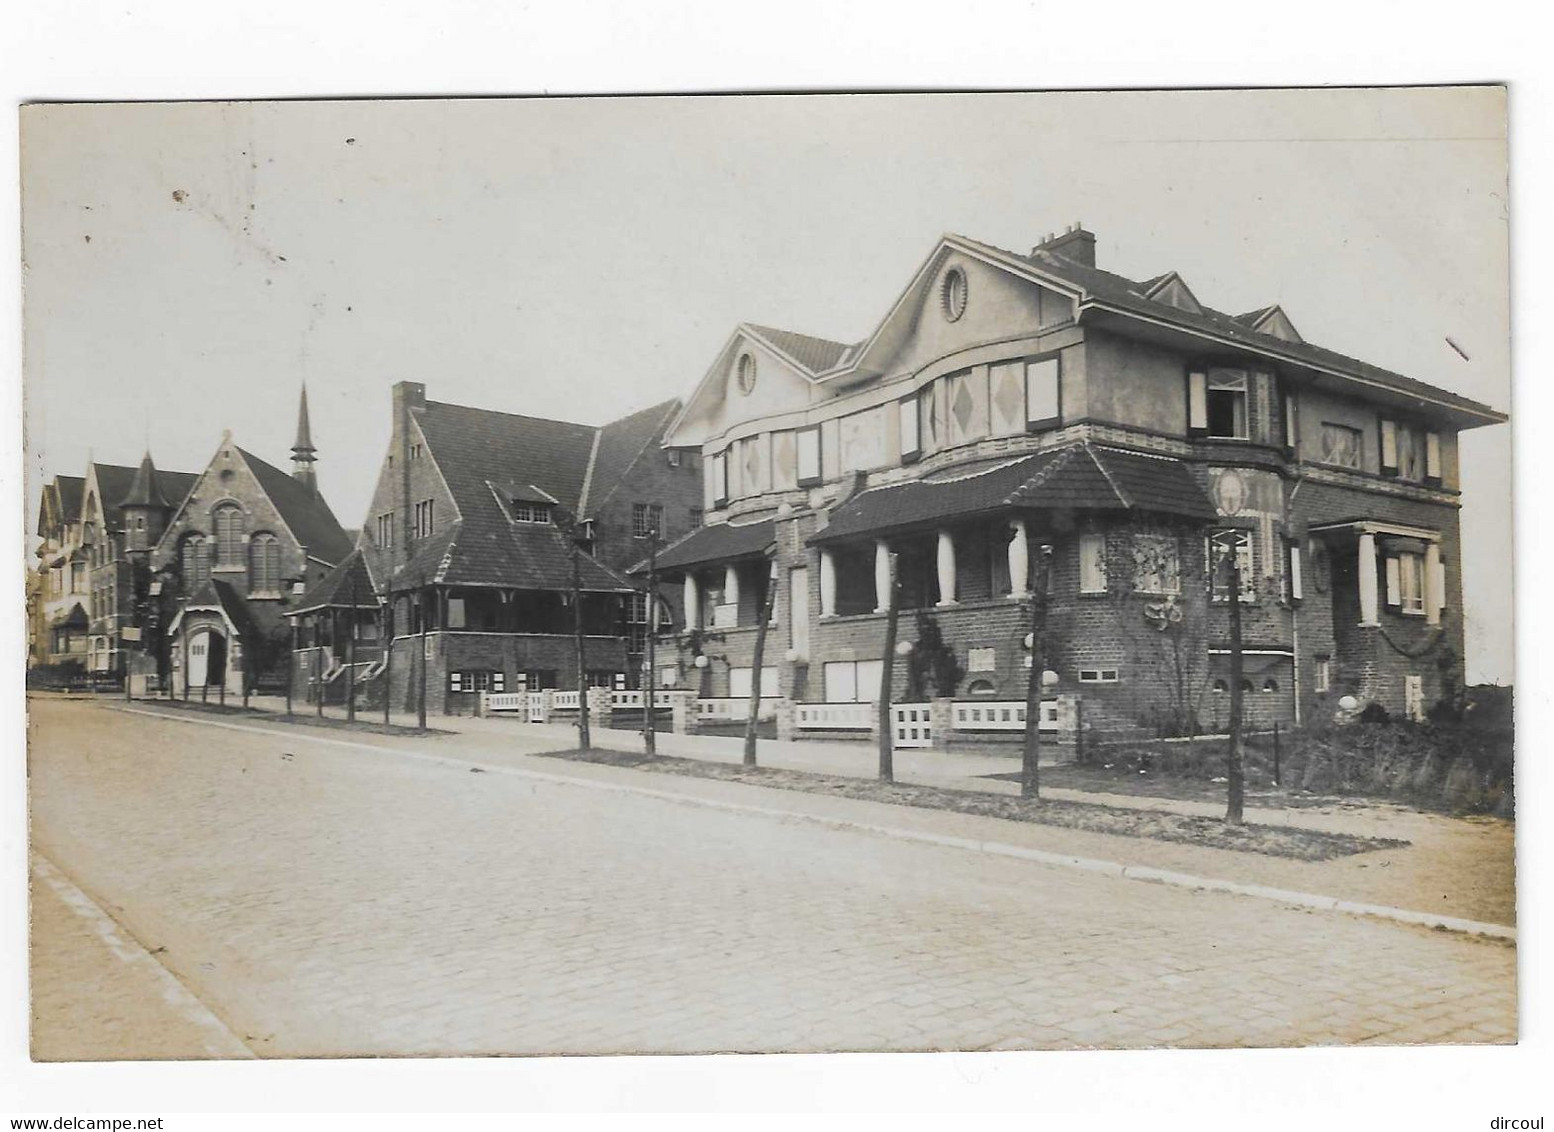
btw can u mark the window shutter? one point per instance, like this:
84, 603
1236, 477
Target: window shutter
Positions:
1433, 456
1389, 448
1197, 403
1440, 586
455, 681
1394, 583
1296, 592
911, 442
1290, 430
499, 681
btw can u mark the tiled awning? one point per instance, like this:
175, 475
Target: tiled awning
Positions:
1082, 477
720, 542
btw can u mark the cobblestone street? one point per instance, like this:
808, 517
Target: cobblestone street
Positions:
322, 899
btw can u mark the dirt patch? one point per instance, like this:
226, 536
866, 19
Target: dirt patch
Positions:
1160, 825
1136, 783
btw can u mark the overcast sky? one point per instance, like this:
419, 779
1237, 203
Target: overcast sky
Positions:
187, 267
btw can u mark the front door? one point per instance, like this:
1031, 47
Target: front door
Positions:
199, 658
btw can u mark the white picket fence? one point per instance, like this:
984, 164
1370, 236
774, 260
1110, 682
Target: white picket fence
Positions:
1000, 715
911, 725
564, 701
833, 717
732, 709
634, 700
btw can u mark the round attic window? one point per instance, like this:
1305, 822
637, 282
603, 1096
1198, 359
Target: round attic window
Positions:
744, 371
953, 294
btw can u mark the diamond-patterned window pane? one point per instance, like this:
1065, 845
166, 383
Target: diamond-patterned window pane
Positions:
968, 406
785, 461
1008, 398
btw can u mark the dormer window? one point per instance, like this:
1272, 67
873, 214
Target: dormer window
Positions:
526, 512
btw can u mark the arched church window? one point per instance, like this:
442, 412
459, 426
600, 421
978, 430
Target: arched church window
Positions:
195, 560
228, 520
264, 563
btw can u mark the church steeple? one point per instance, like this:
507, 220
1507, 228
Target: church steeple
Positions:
302, 452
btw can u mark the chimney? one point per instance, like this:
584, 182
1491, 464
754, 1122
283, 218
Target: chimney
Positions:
408, 395
1074, 244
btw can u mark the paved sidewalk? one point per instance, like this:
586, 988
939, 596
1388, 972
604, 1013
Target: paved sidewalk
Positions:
1451, 867
97, 995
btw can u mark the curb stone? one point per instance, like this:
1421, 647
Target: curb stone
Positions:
1115, 869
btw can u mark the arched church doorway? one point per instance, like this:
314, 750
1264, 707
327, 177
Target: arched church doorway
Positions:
207, 658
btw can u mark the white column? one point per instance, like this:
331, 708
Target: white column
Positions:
1367, 568
827, 584
1433, 598
731, 585
946, 568
881, 576
1019, 560
692, 601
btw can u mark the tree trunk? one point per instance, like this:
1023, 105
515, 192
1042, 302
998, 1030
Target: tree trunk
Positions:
650, 693
757, 663
1030, 774
887, 733
584, 737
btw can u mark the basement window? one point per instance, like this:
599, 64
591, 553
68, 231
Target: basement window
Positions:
1098, 676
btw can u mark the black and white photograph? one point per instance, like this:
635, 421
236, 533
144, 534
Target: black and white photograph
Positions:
516, 577
519, 582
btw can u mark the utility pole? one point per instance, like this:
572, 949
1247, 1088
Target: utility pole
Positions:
650, 695
388, 651
584, 738
887, 733
350, 658
420, 705
758, 662
1030, 762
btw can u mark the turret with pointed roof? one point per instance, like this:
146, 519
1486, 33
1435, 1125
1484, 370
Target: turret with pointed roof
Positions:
146, 506
303, 454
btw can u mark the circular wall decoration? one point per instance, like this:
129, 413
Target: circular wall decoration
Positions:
744, 371
952, 293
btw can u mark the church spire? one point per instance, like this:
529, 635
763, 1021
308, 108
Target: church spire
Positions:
302, 452
145, 491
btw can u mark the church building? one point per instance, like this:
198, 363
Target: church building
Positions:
233, 554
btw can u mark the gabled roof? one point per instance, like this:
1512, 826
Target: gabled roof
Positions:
474, 445
304, 511
113, 484
1105, 290
346, 586
811, 354
71, 490
619, 445
1081, 477
488, 458
717, 542
1172, 290
1271, 320
218, 595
